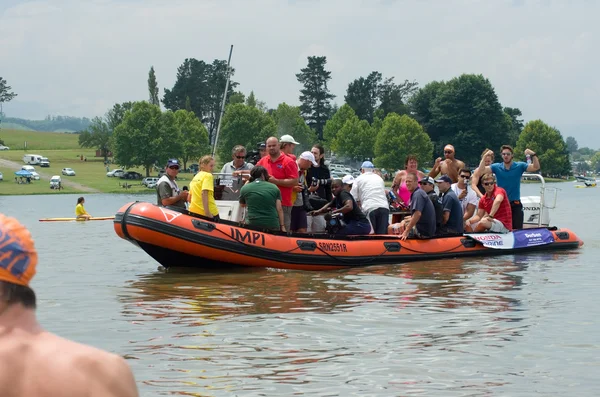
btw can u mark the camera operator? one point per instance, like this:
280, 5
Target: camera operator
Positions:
255, 155
319, 178
355, 220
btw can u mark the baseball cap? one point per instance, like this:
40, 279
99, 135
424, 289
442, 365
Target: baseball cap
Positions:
427, 179
367, 164
262, 145
18, 257
309, 156
444, 178
288, 139
172, 162
348, 180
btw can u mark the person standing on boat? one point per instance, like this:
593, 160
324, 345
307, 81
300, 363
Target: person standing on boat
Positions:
80, 212
508, 174
238, 166
287, 144
283, 172
476, 184
262, 201
368, 190
299, 222
494, 213
36, 362
319, 178
202, 189
167, 191
452, 212
399, 184
449, 166
343, 203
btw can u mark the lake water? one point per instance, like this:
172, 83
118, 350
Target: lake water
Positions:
505, 326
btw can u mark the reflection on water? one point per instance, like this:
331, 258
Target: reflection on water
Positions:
330, 332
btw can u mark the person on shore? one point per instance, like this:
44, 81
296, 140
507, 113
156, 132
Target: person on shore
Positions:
238, 166
319, 179
37, 362
494, 213
283, 172
167, 191
80, 211
262, 201
449, 166
202, 190
508, 176
399, 184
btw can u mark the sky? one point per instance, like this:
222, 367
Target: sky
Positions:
78, 58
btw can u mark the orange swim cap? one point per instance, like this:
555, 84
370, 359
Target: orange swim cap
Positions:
18, 257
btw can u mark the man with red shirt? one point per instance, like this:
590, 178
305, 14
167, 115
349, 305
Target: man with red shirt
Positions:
494, 213
283, 172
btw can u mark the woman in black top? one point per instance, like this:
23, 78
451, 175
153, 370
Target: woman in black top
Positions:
319, 177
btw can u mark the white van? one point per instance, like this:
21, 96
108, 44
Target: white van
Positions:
31, 169
44, 162
32, 159
55, 182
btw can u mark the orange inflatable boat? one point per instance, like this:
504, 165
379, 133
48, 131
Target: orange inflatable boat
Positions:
176, 238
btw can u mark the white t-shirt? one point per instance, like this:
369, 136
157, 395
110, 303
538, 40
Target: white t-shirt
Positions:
470, 198
369, 189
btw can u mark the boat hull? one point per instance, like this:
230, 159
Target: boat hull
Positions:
174, 238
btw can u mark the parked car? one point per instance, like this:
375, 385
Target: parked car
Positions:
117, 172
131, 175
2, 147
31, 169
150, 179
55, 181
68, 171
45, 162
1, 177
152, 184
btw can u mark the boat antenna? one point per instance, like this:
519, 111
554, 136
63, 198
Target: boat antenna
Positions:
223, 103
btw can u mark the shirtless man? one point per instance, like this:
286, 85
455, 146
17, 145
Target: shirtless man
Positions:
450, 166
36, 362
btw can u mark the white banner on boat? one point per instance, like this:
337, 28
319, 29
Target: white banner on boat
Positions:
517, 239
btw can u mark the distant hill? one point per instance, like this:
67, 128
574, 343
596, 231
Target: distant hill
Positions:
49, 124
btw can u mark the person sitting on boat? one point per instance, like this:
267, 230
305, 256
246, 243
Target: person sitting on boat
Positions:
427, 184
368, 190
468, 198
343, 203
399, 184
80, 212
449, 166
167, 191
348, 183
238, 166
494, 213
262, 201
421, 222
202, 190
452, 217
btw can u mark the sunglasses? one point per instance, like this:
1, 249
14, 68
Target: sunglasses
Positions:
174, 167
465, 176
448, 152
507, 154
488, 183
240, 157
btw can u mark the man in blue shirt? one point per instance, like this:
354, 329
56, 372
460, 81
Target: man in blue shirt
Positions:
452, 218
508, 176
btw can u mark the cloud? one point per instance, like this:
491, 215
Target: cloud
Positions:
79, 58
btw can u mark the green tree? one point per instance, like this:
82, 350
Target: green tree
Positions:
363, 95
115, 116
6, 95
237, 97
393, 97
203, 83
595, 162
145, 137
96, 136
153, 87
193, 134
335, 124
548, 144
288, 120
516, 124
243, 125
465, 112
400, 136
572, 144
315, 96
356, 140
251, 100
586, 151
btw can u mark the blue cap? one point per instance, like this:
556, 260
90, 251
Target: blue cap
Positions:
173, 162
444, 178
367, 164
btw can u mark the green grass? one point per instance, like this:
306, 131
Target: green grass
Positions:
36, 141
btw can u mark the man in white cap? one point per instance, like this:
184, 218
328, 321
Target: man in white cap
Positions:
287, 145
368, 190
299, 223
348, 181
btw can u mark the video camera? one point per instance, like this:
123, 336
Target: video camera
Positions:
253, 156
334, 222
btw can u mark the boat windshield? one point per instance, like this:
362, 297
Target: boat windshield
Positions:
227, 187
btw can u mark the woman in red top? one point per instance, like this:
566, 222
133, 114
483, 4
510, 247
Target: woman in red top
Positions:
494, 213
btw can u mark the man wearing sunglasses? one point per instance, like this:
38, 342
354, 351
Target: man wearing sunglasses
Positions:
449, 166
508, 174
468, 198
238, 165
167, 190
494, 213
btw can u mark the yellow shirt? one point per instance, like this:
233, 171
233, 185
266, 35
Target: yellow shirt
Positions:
79, 210
203, 181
